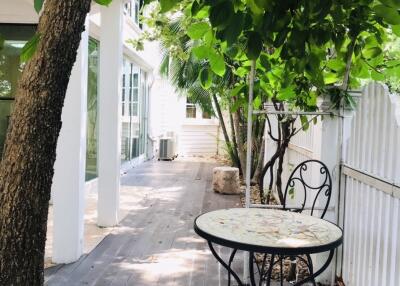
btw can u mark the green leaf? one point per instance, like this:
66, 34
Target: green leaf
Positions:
241, 72
286, 94
280, 38
103, 2
38, 4
372, 52
205, 78
254, 6
233, 31
217, 63
221, 13
291, 193
29, 48
238, 89
265, 62
304, 122
254, 45
377, 76
389, 14
197, 30
391, 3
257, 103
330, 78
396, 30
201, 52
196, 7
166, 5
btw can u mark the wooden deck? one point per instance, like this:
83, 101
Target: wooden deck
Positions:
155, 243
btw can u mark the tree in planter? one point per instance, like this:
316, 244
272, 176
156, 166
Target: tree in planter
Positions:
300, 50
26, 169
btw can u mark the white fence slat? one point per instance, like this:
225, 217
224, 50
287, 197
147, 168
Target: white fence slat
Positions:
394, 241
372, 237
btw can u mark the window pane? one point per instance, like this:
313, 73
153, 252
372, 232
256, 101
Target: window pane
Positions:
136, 80
135, 94
130, 123
190, 111
10, 70
134, 109
137, 11
92, 112
143, 112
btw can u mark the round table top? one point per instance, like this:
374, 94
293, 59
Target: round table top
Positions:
268, 230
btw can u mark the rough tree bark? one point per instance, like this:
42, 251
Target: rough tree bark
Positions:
26, 170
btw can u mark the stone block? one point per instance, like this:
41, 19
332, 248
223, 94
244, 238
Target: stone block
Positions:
226, 180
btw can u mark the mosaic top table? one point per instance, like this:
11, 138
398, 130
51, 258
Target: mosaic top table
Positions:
274, 232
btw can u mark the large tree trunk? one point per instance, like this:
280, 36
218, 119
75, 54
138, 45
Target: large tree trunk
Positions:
26, 170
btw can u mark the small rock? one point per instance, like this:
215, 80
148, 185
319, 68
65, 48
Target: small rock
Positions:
226, 180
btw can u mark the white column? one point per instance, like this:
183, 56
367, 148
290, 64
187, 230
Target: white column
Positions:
68, 187
331, 142
109, 113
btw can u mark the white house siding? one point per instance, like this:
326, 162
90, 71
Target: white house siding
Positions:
199, 140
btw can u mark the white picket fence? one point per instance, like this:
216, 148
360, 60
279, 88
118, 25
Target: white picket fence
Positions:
371, 192
365, 167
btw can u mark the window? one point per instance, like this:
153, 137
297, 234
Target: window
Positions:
132, 9
123, 94
190, 109
10, 69
92, 111
134, 101
134, 116
143, 123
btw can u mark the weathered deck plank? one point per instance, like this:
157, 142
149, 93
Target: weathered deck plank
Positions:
155, 243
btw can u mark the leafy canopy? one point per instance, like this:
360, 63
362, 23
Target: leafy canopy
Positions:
302, 48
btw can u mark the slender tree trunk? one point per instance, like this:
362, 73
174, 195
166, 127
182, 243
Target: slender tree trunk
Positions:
234, 141
240, 142
224, 131
26, 170
260, 163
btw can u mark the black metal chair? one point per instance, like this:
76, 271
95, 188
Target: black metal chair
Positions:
299, 181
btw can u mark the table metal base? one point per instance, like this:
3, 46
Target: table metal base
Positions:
266, 273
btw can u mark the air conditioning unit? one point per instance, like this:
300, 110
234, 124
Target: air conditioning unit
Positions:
166, 150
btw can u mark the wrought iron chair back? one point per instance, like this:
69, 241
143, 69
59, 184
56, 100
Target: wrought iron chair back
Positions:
299, 180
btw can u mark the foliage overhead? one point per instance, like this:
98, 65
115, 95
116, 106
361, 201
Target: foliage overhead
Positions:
302, 48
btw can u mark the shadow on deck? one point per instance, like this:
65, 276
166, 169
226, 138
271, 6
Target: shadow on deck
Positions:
155, 243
